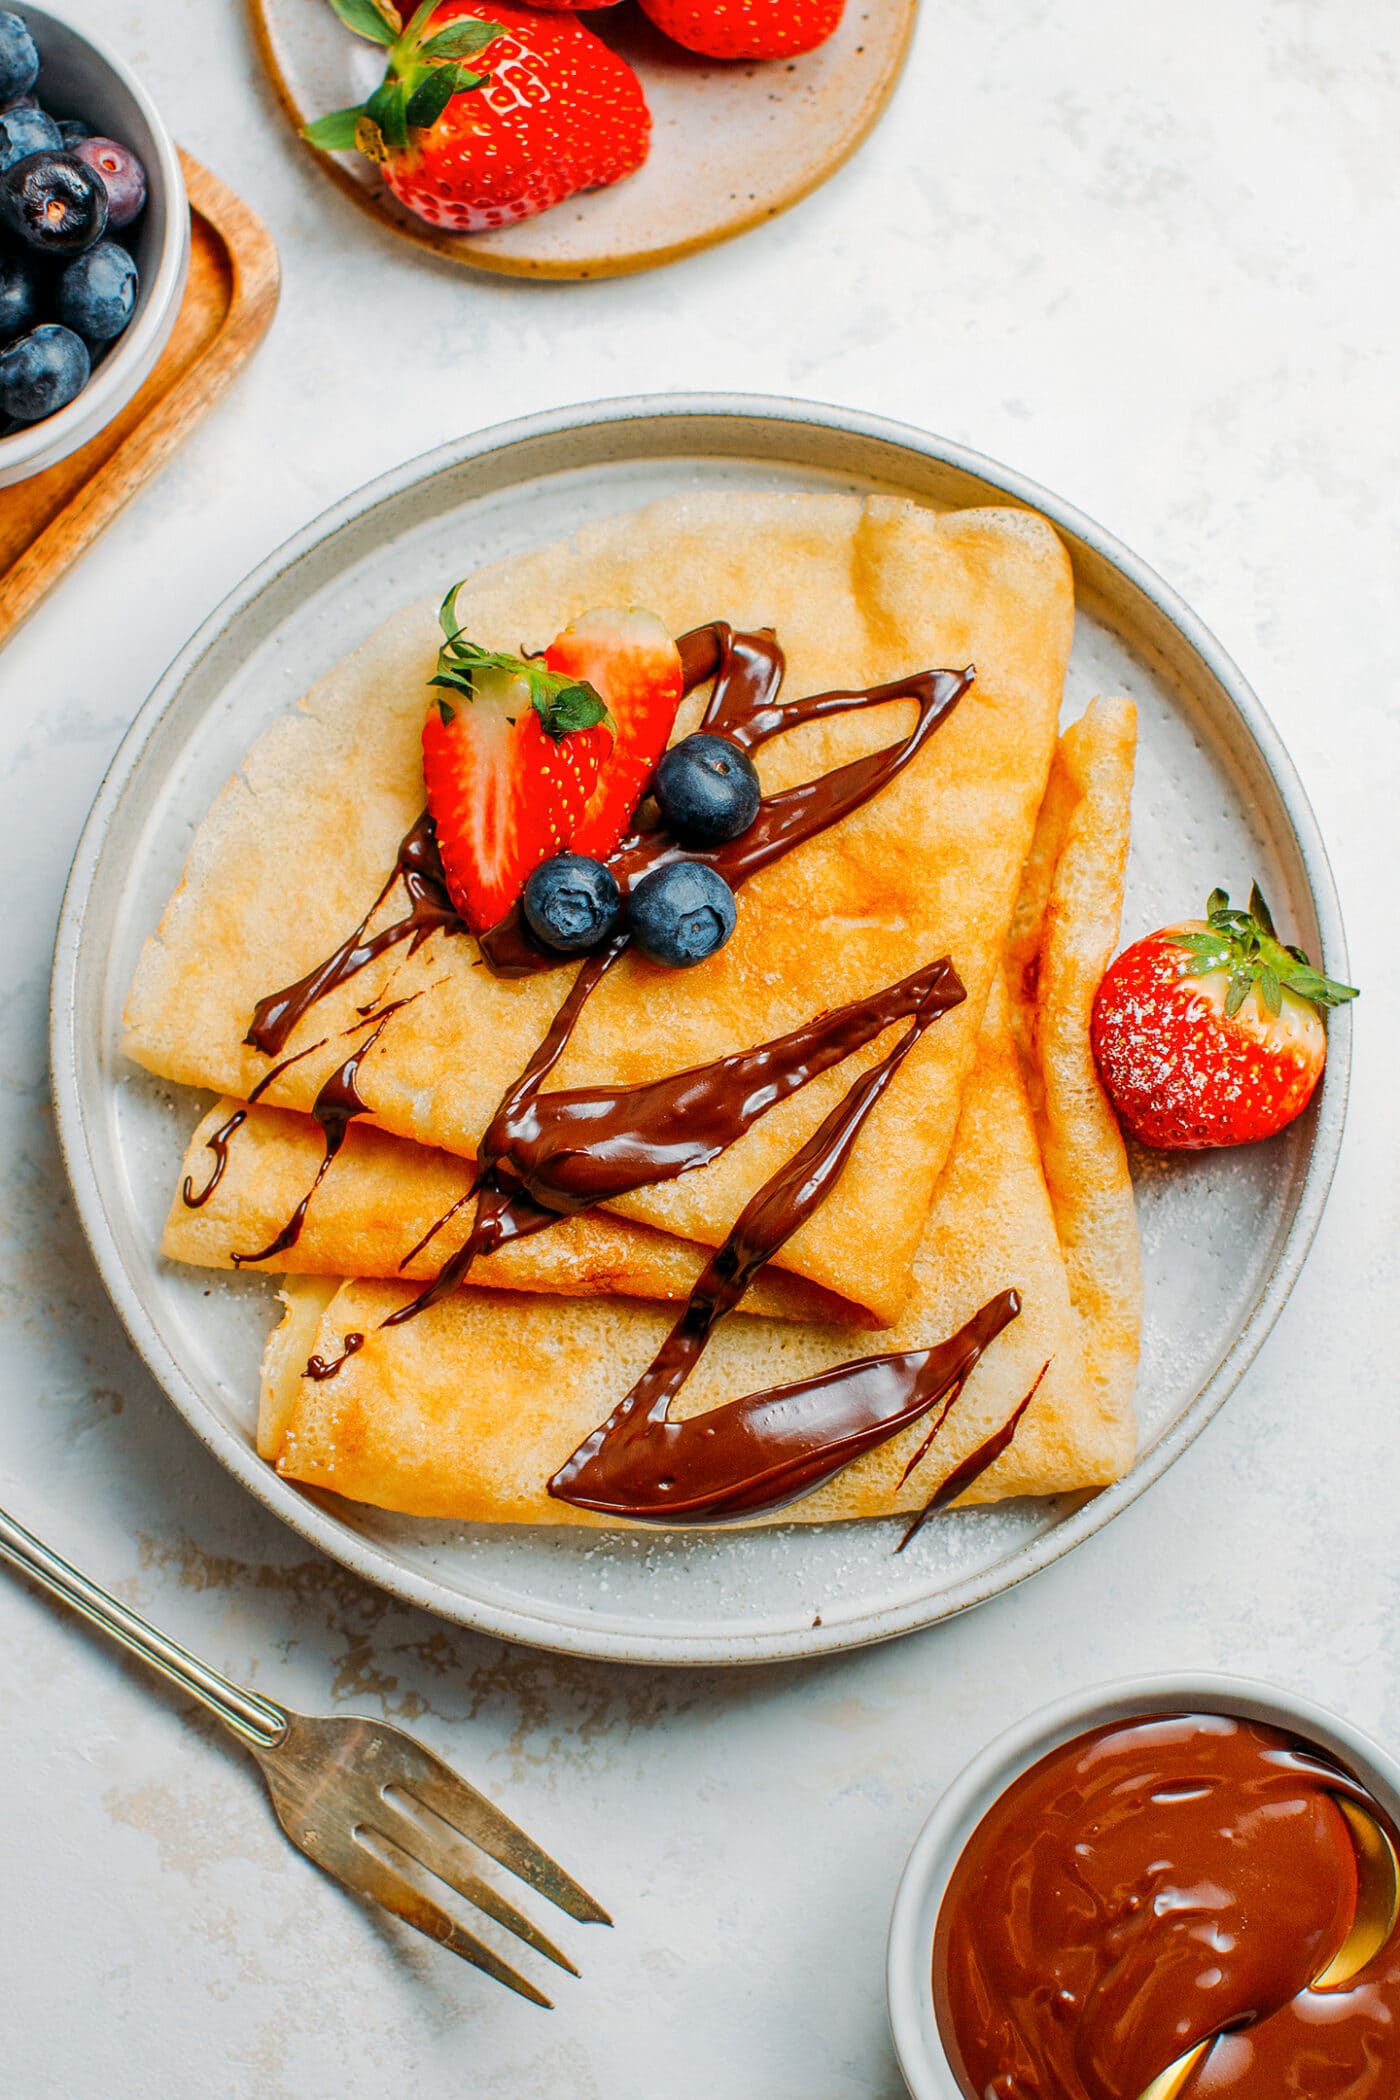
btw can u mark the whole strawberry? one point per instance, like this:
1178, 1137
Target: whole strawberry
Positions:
1211, 1032
746, 28
487, 115
511, 755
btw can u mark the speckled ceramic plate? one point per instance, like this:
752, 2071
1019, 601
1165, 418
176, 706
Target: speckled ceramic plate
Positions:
732, 144
1224, 1235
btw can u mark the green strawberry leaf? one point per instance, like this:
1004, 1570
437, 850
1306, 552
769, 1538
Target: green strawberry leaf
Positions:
419, 20
385, 108
1247, 945
1260, 910
460, 40
563, 709
1309, 983
428, 95
1208, 950
334, 133
366, 19
447, 613
433, 90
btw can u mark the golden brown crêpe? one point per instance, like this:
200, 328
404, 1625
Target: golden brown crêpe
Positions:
382, 1195
859, 590
467, 1410
1063, 935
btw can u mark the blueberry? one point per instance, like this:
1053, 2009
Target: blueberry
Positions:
571, 903
121, 174
20, 296
97, 293
42, 372
73, 131
19, 57
55, 204
707, 789
26, 131
681, 913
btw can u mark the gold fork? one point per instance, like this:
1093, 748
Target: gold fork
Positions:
330, 1784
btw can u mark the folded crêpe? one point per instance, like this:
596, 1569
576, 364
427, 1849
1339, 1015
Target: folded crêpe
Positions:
466, 1411
382, 1197
859, 590
1063, 934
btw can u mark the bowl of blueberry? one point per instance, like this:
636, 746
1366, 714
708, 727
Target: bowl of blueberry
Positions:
94, 238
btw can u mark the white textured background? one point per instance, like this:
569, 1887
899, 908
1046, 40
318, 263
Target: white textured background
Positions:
1148, 255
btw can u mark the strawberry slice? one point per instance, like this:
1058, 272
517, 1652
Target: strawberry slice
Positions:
512, 750
1211, 1032
627, 656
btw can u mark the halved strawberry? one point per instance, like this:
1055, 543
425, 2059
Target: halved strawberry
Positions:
509, 760
626, 655
1210, 1033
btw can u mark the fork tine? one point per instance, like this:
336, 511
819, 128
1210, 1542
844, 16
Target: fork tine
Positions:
372, 1876
448, 1795
406, 1835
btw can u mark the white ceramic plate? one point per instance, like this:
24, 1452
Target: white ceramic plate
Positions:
1217, 800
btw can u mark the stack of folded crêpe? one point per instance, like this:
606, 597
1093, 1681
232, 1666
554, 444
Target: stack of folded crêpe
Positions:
991, 1162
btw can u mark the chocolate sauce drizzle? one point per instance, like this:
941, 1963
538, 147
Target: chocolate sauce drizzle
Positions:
319, 1367
768, 1446
973, 1466
335, 1109
539, 1161
546, 1156
430, 910
744, 707
218, 1141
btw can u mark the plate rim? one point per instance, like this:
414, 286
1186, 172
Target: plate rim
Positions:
376, 1563
456, 248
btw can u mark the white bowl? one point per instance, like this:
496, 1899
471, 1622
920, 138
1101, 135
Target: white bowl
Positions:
80, 77
909, 1962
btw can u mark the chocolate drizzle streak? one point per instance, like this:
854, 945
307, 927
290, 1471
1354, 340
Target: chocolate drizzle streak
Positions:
545, 1156
218, 1140
430, 910
768, 1446
744, 707
973, 1466
319, 1367
334, 1108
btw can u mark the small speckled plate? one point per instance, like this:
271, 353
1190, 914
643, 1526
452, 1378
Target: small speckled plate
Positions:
1224, 1234
732, 144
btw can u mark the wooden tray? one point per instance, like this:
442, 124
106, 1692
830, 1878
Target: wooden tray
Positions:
732, 145
230, 298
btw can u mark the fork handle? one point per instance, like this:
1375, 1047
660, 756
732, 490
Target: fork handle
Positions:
255, 1721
